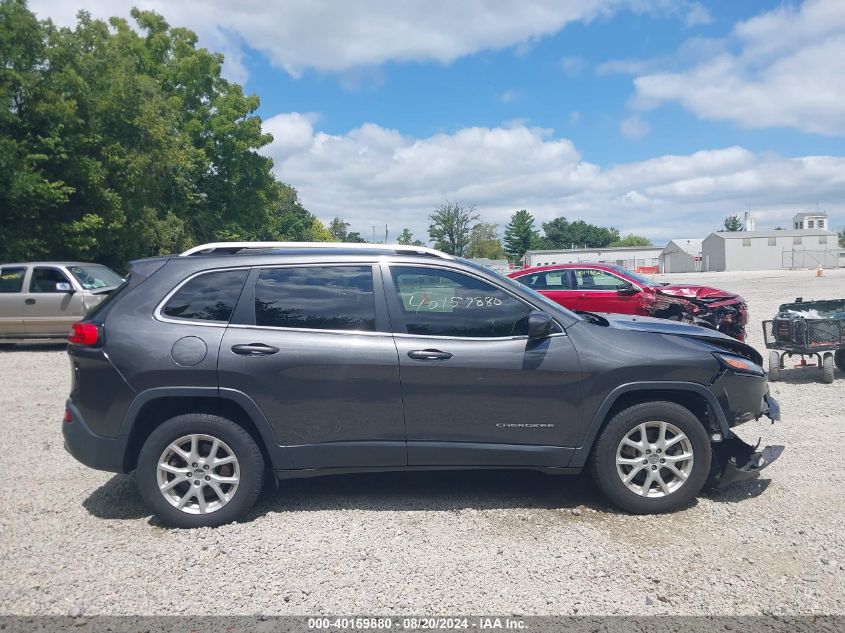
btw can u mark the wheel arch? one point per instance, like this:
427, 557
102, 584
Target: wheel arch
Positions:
153, 407
696, 398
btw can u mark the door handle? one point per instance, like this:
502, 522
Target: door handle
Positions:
30, 302
254, 349
429, 354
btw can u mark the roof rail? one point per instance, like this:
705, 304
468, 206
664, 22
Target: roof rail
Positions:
230, 248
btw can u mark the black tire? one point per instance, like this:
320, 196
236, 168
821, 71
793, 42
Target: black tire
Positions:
249, 461
827, 368
839, 359
603, 458
774, 366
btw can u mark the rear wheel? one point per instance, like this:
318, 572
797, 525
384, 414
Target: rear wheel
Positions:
653, 457
200, 470
774, 366
839, 359
827, 368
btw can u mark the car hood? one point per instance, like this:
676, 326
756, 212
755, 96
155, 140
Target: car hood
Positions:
674, 328
702, 293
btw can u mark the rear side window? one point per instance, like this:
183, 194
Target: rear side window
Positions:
317, 298
207, 297
546, 280
11, 279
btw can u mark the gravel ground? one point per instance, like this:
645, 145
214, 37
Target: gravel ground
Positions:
76, 540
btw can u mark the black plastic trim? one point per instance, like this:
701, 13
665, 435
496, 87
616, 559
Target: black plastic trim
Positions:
579, 457
90, 449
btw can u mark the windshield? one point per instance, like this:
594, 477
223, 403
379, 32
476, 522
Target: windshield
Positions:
640, 279
94, 276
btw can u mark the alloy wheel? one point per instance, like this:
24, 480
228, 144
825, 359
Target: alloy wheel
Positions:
198, 473
654, 459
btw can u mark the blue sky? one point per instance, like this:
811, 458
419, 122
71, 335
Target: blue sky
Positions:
659, 117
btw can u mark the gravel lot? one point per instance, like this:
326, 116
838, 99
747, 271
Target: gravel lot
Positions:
79, 541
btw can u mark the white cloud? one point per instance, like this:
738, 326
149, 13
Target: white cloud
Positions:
697, 15
788, 72
573, 65
372, 175
634, 128
509, 96
339, 36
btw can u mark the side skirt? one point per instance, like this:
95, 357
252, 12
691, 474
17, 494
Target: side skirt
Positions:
305, 473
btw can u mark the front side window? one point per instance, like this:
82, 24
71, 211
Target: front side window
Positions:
437, 302
593, 279
207, 297
546, 280
317, 298
11, 279
45, 280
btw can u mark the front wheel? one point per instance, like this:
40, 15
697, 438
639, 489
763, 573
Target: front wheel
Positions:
651, 458
200, 470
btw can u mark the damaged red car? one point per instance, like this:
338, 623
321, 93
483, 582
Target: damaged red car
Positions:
599, 287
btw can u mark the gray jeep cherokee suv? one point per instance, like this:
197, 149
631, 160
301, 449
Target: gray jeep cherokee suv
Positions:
207, 370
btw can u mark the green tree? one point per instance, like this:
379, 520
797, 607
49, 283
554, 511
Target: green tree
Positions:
355, 237
733, 223
842, 238
520, 235
484, 241
339, 228
632, 240
561, 233
121, 141
406, 237
450, 225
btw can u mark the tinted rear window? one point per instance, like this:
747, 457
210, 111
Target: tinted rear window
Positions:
208, 297
319, 298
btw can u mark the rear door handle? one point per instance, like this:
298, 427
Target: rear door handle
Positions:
30, 302
254, 349
429, 354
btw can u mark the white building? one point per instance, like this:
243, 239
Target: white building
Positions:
681, 256
631, 257
810, 221
770, 250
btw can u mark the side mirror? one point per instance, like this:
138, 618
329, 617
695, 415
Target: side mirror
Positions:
627, 288
64, 286
540, 325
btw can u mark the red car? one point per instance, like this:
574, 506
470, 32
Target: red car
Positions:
609, 288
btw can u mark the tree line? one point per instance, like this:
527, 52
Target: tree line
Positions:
119, 142
456, 229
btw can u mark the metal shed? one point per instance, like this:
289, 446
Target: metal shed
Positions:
631, 257
769, 250
681, 256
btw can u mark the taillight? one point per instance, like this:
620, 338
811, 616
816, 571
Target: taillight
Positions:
84, 334
68, 419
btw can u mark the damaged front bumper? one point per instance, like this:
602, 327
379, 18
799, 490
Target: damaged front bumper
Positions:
735, 461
